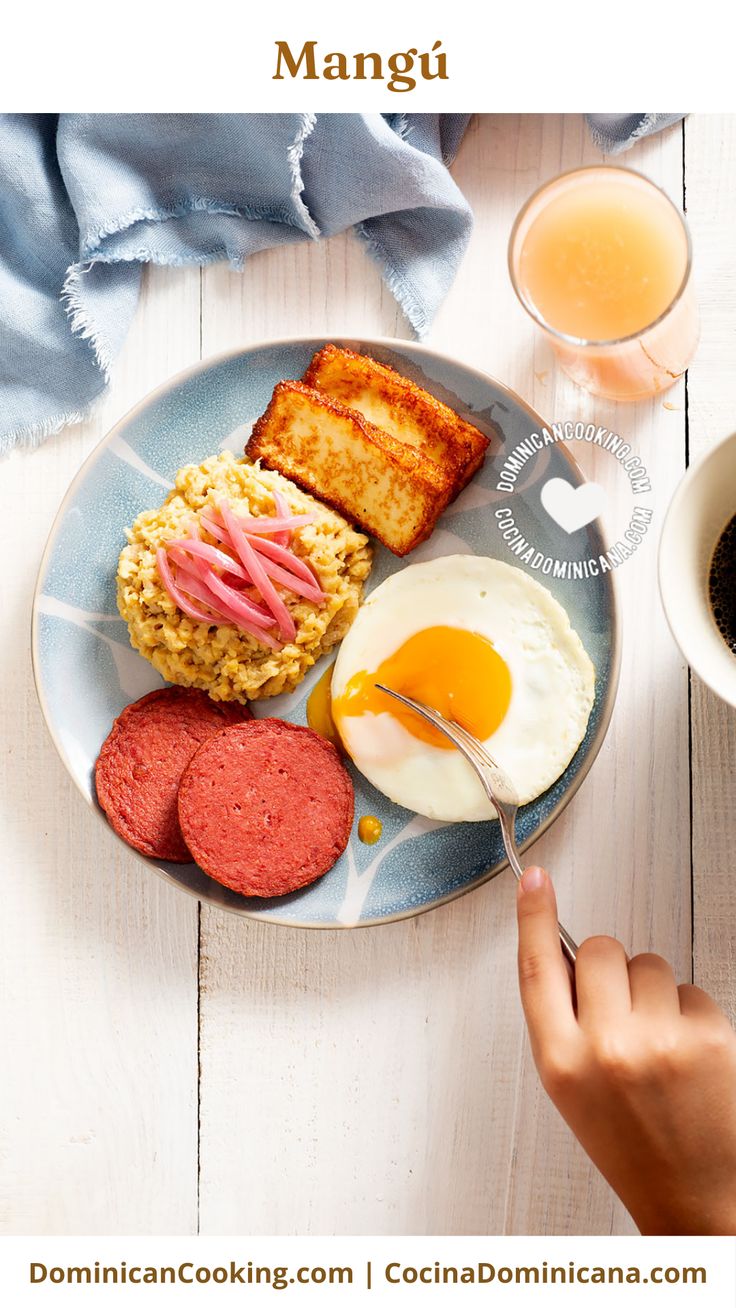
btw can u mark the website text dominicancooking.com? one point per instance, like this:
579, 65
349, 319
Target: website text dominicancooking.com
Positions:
366, 1274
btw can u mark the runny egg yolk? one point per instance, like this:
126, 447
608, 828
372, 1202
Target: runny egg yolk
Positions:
453, 670
319, 709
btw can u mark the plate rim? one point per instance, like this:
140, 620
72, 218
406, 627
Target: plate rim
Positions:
422, 350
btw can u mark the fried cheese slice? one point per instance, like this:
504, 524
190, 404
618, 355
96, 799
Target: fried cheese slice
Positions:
402, 409
389, 488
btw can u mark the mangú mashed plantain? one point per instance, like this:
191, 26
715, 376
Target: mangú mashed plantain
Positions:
227, 663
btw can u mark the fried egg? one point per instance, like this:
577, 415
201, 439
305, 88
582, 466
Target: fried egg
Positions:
489, 647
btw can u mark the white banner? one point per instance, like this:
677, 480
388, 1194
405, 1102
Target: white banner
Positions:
208, 1270
381, 57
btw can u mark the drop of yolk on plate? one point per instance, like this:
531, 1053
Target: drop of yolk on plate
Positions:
369, 829
453, 670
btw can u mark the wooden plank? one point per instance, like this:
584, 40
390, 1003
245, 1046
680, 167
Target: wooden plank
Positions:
380, 1081
710, 142
98, 958
620, 855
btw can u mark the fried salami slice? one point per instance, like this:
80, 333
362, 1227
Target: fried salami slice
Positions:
140, 765
266, 807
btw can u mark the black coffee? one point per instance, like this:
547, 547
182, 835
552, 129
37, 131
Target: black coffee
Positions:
722, 585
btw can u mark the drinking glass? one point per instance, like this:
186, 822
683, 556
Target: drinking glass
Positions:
645, 361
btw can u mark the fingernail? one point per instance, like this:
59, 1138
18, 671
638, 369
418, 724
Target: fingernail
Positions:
534, 878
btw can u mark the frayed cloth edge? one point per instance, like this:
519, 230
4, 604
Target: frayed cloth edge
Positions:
294, 154
33, 435
162, 214
221, 254
81, 323
414, 311
646, 126
401, 126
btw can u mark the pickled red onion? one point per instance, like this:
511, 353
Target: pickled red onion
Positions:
220, 591
254, 567
209, 554
239, 603
279, 554
307, 590
227, 607
268, 526
179, 599
192, 586
292, 563
240, 591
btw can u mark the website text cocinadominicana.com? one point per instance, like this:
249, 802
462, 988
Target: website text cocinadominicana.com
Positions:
281, 1278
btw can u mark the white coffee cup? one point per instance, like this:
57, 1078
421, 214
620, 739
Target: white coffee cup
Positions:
702, 506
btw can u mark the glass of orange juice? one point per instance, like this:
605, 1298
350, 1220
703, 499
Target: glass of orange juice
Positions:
601, 259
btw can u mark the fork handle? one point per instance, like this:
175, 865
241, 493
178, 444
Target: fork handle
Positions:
567, 944
470, 748
569, 948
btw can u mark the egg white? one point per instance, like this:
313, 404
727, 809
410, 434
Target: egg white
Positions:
552, 684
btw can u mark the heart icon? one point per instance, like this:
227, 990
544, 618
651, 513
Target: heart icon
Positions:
572, 507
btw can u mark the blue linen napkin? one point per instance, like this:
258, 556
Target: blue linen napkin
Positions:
613, 133
86, 199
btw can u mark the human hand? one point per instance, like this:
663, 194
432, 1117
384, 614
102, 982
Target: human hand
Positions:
642, 1070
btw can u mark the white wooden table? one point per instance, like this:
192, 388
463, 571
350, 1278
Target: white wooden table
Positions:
170, 1068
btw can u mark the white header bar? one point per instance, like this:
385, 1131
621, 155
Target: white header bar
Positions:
152, 55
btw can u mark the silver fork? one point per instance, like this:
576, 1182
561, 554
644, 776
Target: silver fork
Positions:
497, 785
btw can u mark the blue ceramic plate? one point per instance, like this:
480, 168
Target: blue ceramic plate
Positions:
86, 671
